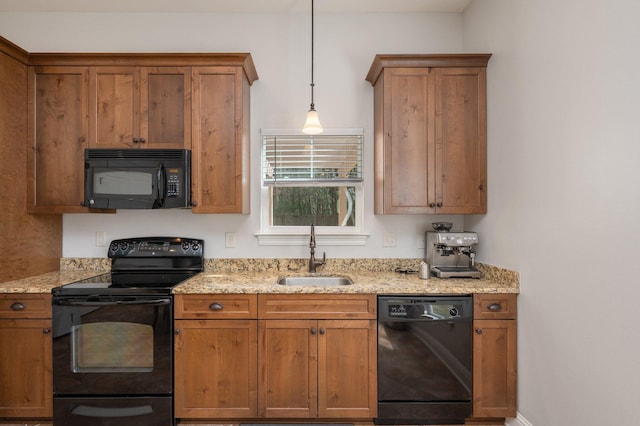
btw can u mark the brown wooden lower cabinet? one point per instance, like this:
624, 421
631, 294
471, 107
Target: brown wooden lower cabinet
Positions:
215, 366
215, 356
494, 356
317, 369
26, 389
240, 357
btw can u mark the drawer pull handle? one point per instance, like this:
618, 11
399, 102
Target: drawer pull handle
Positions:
495, 307
215, 306
17, 306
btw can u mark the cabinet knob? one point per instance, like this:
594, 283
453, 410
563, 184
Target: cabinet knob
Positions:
478, 331
495, 307
177, 331
432, 205
46, 330
215, 306
194, 203
135, 140
439, 205
322, 331
142, 140
314, 331
17, 306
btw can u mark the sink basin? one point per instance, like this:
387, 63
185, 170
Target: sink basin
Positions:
318, 280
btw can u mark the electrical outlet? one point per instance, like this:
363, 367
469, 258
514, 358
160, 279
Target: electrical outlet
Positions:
101, 239
229, 239
389, 239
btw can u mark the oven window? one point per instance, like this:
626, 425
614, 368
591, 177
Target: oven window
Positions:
122, 183
112, 347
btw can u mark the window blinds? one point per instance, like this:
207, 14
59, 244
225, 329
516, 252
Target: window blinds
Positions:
311, 159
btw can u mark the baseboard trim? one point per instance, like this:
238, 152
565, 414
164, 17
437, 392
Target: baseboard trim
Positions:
519, 420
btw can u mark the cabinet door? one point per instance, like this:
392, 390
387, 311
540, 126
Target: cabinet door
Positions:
461, 140
494, 368
347, 367
26, 388
405, 163
165, 101
115, 107
220, 161
215, 368
57, 135
287, 368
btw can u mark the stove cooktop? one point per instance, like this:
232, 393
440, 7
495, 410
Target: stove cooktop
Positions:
150, 265
151, 283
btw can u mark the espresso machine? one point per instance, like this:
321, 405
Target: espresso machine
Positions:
451, 254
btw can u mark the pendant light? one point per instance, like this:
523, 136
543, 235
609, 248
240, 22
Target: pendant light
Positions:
312, 126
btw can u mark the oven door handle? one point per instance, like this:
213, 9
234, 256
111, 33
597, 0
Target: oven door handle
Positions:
149, 302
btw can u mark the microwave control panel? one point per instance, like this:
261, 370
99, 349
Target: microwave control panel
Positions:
173, 182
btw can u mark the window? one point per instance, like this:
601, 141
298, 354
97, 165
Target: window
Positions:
311, 179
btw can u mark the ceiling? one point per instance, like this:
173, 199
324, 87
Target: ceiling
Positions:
233, 6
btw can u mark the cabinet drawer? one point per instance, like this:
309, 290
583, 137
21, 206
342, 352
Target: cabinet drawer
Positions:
20, 305
306, 306
226, 306
494, 306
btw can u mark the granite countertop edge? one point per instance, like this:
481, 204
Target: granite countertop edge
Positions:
220, 278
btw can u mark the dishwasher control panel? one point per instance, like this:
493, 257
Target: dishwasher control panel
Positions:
420, 308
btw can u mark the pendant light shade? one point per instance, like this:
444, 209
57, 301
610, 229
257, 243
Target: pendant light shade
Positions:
312, 126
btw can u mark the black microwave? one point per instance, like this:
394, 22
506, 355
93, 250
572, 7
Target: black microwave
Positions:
137, 178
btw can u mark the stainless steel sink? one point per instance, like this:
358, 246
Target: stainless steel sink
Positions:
318, 280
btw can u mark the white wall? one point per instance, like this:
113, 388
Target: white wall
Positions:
563, 189
279, 44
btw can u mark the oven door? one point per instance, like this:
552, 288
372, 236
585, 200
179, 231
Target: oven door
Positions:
108, 345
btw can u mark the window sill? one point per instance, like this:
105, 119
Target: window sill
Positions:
303, 239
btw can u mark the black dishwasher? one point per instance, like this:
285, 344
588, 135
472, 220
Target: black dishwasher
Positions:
424, 359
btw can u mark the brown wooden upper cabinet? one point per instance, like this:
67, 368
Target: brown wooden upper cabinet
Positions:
57, 136
430, 133
193, 101
221, 140
140, 107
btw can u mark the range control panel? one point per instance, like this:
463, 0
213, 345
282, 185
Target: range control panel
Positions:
156, 247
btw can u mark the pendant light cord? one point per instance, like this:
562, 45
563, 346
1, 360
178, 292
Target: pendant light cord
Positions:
312, 43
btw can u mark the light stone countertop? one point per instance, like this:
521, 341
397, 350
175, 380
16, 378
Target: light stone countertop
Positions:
363, 283
45, 282
253, 276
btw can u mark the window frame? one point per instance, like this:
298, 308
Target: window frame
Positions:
299, 235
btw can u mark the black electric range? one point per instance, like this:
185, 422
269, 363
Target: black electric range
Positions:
113, 335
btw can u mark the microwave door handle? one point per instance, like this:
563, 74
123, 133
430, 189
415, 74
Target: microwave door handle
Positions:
162, 178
